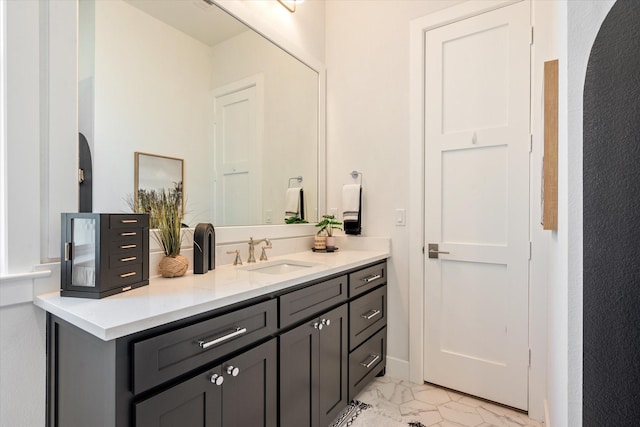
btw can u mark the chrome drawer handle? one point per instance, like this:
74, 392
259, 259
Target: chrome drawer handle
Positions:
133, 273
131, 258
372, 278
376, 357
373, 314
130, 233
128, 221
235, 332
128, 246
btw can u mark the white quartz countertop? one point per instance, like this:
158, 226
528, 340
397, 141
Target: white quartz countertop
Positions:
168, 300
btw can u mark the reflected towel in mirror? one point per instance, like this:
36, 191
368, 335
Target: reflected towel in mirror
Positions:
351, 206
293, 203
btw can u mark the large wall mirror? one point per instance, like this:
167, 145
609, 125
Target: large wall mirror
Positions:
184, 79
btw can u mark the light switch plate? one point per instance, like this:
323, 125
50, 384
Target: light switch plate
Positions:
400, 217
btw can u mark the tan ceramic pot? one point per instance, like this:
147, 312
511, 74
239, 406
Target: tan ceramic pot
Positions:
173, 266
320, 242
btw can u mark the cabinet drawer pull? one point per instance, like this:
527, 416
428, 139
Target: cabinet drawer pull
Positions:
131, 258
234, 333
133, 273
129, 233
128, 246
370, 314
129, 221
216, 379
372, 278
375, 358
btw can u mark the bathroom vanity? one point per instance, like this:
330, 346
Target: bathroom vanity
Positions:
287, 342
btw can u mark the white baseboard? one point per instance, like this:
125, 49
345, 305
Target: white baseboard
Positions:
547, 422
398, 368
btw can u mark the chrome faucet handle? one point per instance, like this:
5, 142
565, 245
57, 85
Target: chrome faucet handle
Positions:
263, 255
252, 257
238, 260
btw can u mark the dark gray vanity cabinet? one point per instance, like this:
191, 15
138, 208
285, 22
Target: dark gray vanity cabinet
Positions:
313, 370
292, 358
240, 392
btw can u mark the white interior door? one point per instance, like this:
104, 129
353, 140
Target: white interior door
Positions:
477, 205
237, 154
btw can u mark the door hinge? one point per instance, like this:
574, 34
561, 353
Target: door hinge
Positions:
531, 36
423, 250
530, 249
529, 357
530, 142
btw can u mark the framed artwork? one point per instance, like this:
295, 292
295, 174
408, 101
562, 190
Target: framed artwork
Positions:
156, 174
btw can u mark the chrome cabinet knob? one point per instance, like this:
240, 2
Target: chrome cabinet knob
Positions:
326, 322
217, 379
318, 326
233, 371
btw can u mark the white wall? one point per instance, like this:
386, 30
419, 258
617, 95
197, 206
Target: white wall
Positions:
368, 130
136, 110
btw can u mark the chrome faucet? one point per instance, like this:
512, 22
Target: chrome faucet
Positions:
253, 243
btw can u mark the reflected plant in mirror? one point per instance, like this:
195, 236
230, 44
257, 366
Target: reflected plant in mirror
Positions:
187, 80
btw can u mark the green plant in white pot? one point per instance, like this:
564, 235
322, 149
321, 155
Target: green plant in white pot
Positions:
325, 233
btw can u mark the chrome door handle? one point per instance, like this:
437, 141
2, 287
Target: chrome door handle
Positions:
370, 314
318, 326
375, 358
216, 379
434, 250
204, 343
326, 322
372, 278
233, 371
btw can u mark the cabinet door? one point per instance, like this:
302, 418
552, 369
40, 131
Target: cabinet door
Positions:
298, 376
251, 397
333, 364
193, 403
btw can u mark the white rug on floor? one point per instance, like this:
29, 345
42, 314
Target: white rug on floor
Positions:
359, 414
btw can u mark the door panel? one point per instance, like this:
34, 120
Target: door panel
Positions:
477, 204
299, 372
236, 147
250, 398
333, 365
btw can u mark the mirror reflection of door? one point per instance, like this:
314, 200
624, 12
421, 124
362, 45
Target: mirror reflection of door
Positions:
237, 154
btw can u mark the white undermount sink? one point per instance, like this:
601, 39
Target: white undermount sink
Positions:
281, 266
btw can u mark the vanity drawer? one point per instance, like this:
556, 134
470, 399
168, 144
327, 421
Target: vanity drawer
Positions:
368, 278
367, 361
126, 275
128, 221
367, 315
125, 260
166, 356
306, 302
130, 244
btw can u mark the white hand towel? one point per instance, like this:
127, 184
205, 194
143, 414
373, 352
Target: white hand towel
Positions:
292, 202
350, 202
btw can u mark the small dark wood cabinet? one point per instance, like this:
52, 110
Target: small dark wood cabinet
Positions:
292, 358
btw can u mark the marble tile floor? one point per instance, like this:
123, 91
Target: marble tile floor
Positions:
433, 406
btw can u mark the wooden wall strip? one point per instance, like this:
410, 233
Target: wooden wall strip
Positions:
550, 161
